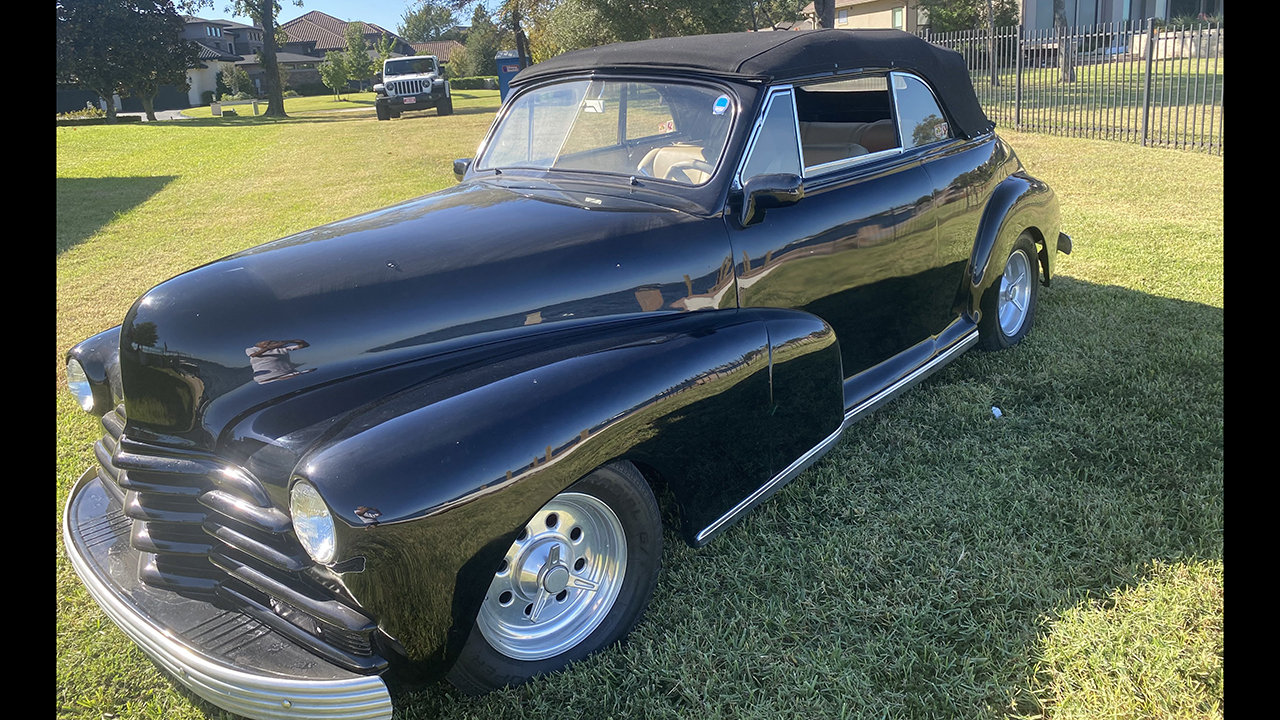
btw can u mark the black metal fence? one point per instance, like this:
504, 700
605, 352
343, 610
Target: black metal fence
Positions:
1157, 86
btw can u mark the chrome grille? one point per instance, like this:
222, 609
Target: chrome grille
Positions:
409, 87
204, 526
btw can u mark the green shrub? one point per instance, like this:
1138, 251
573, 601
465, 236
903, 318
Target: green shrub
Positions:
97, 120
206, 97
291, 93
89, 111
472, 83
313, 88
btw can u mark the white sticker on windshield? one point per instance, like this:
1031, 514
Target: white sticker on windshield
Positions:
721, 104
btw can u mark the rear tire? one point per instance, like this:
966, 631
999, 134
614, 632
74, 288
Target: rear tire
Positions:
1009, 305
445, 107
604, 531
384, 113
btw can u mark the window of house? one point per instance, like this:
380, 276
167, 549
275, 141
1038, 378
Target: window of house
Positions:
775, 149
897, 18
920, 121
842, 121
842, 17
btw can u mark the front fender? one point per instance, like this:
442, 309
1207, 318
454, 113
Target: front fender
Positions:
455, 466
1020, 202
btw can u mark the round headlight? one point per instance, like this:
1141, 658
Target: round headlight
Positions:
78, 384
312, 522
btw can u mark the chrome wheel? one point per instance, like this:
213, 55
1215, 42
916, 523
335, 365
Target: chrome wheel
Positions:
1015, 293
558, 581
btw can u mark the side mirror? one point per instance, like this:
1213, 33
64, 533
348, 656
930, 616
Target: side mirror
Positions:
766, 192
460, 167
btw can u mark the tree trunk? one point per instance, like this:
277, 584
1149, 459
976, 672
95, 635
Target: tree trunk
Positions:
275, 96
148, 105
522, 45
111, 106
1066, 63
825, 10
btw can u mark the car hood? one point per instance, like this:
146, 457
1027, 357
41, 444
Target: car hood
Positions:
473, 264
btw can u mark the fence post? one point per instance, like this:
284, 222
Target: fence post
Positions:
1017, 95
1146, 87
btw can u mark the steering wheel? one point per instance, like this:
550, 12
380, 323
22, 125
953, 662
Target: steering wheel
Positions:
701, 165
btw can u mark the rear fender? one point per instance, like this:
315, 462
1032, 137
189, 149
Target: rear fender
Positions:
1020, 202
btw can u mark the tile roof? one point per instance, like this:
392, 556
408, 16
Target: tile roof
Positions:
208, 53
326, 31
442, 49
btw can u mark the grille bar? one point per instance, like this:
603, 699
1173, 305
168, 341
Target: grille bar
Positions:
295, 594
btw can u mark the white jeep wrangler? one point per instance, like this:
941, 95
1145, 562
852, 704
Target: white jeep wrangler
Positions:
412, 83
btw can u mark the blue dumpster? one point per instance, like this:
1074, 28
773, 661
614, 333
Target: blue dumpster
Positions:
508, 66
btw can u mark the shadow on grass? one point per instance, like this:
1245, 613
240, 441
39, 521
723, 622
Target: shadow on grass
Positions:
86, 205
316, 116
911, 572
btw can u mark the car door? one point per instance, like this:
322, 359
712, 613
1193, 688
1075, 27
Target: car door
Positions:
860, 249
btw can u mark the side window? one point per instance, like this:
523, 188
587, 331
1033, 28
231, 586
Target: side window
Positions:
843, 120
775, 149
919, 120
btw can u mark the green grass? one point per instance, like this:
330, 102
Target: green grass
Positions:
1106, 101
938, 563
350, 102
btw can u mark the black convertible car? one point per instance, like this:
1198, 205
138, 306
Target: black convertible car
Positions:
422, 442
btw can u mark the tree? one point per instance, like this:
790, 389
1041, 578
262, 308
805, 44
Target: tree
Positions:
359, 64
170, 56
236, 80
383, 51
483, 43
1066, 63
263, 13
334, 73
427, 20
112, 46
826, 12
954, 15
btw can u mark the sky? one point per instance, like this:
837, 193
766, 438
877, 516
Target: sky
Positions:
386, 13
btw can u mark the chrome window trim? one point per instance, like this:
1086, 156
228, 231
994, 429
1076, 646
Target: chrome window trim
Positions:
836, 165
735, 106
755, 130
898, 120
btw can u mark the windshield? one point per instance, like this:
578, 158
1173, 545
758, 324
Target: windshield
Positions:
671, 131
409, 66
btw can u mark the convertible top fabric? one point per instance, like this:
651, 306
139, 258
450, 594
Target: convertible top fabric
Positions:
780, 56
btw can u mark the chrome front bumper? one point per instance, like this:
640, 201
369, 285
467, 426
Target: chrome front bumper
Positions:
93, 533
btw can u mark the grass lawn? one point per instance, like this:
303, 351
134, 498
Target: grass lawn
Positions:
1065, 559
350, 102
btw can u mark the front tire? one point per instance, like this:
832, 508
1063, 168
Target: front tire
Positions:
445, 107
576, 580
1009, 305
384, 112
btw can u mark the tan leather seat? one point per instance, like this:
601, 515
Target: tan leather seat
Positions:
826, 142
658, 163
879, 135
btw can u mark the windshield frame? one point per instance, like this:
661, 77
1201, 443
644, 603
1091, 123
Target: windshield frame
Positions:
434, 61
736, 112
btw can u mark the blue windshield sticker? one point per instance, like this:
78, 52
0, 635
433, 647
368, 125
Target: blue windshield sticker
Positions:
721, 104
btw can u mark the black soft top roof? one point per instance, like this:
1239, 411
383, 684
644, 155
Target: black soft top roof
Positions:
784, 55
